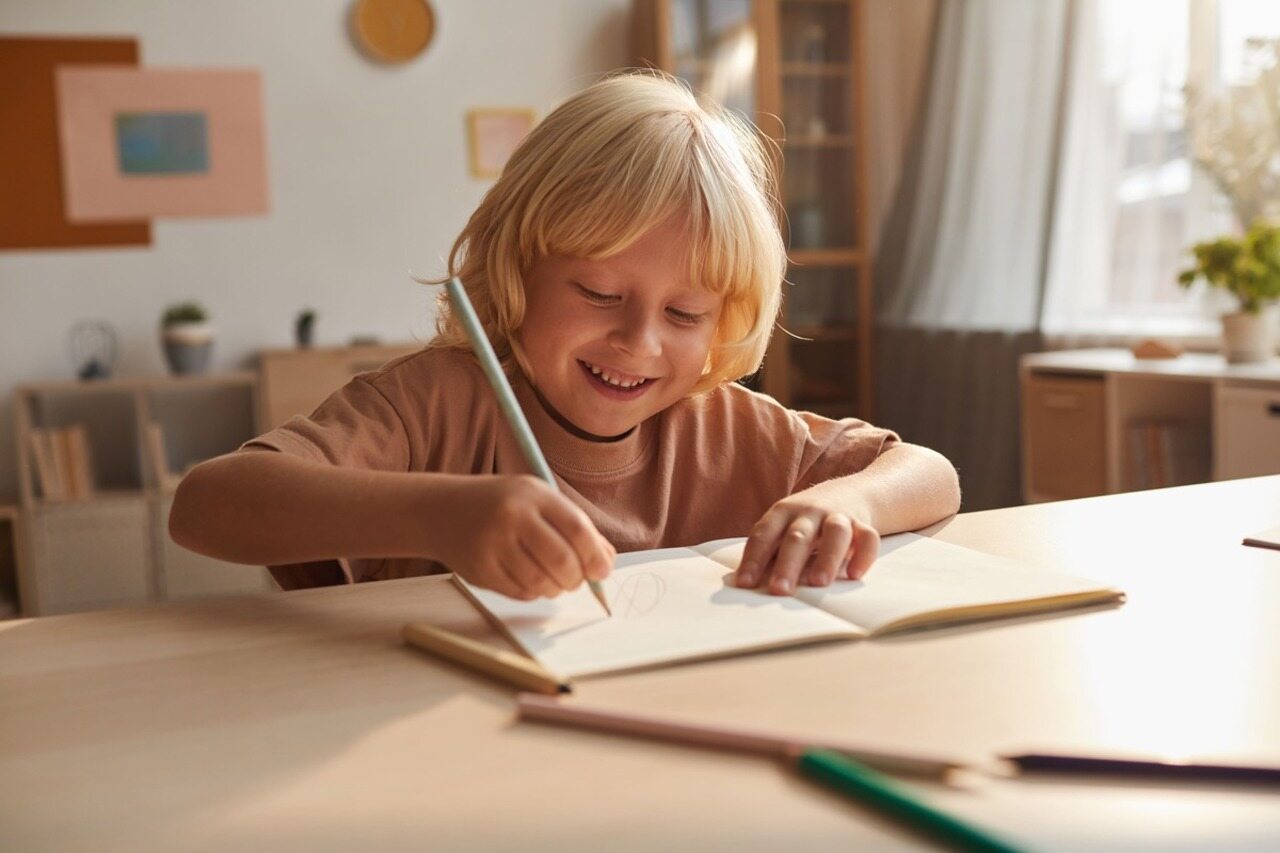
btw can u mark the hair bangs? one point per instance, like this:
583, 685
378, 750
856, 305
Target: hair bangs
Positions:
620, 191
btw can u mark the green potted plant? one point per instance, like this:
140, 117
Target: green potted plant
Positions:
187, 336
1234, 139
1248, 268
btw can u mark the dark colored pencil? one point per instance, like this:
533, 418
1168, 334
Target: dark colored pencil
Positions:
1149, 769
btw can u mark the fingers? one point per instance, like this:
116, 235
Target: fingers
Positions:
593, 554
547, 557
544, 543
866, 547
834, 543
793, 554
761, 545
790, 546
503, 577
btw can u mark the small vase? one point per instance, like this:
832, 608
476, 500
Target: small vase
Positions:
188, 347
1247, 337
303, 331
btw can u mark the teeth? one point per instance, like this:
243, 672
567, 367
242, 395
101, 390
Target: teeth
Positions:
611, 379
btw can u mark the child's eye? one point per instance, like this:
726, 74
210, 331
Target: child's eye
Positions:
596, 296
685, 316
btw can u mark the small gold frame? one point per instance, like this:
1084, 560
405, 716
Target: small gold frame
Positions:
493, 133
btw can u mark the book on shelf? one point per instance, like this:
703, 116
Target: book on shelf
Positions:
48, 475
680, 604
1161, 453
157, 457
63, 462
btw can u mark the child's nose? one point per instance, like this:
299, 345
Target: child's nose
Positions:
637, 335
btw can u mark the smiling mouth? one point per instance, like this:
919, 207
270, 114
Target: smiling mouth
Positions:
620, 383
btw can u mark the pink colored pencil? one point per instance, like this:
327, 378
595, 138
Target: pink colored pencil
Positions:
547, 710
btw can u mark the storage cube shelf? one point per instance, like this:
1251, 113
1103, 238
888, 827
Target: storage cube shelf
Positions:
111, 546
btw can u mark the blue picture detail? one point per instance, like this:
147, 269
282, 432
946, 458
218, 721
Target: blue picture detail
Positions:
162, 143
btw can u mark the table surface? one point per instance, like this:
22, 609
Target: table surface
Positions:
300, 720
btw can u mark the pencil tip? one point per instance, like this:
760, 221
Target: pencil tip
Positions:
598, 591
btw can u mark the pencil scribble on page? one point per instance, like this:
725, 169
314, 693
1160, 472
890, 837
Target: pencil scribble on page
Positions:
637, 594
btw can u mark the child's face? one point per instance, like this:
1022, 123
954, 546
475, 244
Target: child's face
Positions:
594, 328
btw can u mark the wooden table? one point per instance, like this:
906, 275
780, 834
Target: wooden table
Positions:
299, 720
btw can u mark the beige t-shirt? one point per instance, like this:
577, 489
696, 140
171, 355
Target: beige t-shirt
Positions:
705, 468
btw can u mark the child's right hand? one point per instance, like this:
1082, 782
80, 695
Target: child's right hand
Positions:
518, 536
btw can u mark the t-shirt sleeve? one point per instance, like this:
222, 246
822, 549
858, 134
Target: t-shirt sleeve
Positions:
356, 427
831, 449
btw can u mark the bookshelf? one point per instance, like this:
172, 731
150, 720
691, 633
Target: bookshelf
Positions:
1098, 422
796, 69
10, 559
106, 542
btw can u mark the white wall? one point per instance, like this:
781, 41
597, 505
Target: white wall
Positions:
367, 170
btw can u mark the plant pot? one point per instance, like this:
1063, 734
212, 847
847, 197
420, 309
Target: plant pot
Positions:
1249, 337
303, 332
188, 347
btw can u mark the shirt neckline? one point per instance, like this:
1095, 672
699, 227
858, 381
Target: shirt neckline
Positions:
568, 452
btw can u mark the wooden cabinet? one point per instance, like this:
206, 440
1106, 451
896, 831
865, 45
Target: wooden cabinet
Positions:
1248, 438
1100, 421
1065, 414
795, 68
295, 381
107, 543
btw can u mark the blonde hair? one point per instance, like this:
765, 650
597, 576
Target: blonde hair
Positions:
601, 170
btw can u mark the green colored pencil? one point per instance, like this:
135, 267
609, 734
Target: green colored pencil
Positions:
507, 399
884, 795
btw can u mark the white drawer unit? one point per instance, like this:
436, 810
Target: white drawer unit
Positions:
92, 554
1247, 439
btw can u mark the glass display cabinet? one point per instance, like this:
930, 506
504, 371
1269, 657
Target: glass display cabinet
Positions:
795, 68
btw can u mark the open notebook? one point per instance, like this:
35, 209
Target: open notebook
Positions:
678, 604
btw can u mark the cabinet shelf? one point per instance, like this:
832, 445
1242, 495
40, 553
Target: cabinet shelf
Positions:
832, 140
94, 464
803, 88
140, 383
815, 69
98, 495
828, 257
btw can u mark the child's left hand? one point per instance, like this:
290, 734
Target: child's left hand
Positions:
800, 540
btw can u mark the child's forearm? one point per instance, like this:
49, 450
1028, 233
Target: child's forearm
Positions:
269, 508
907, 487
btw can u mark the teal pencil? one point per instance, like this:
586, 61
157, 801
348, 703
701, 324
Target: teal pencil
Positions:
883, 794
507, 398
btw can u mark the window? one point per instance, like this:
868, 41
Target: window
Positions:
1131, 202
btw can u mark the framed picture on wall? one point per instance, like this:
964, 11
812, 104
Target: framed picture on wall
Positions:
161, 142
493, 133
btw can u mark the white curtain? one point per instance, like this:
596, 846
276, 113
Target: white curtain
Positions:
897, 39
961, 268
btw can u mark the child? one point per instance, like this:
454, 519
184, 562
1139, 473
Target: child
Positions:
627, 267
